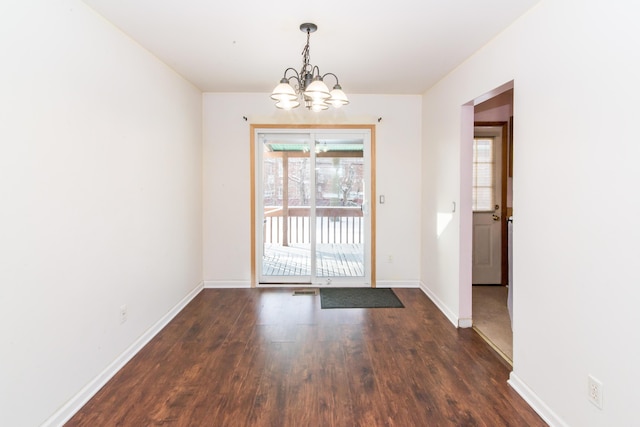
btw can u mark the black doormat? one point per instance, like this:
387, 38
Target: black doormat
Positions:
359, 298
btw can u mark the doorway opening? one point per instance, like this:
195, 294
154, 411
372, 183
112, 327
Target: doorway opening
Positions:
490, 290
312, 223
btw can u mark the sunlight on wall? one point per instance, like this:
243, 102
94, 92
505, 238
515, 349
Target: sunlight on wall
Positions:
444, 219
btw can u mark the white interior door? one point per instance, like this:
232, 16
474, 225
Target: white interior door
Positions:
487, 220
312, 193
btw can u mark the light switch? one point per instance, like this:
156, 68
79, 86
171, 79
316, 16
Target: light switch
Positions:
382, 199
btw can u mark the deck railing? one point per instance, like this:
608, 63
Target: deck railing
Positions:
334, 224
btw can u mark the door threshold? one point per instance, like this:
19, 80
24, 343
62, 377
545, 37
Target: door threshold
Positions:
497, 349
306, 291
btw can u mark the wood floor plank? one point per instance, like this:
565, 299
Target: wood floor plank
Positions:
362, 384
335, 406
264, 357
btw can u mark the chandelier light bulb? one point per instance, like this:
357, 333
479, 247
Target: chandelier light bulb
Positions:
319, 106
317, 90
288, 104
284, 92
338, 97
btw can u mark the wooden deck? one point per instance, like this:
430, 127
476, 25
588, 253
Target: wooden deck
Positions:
332, 260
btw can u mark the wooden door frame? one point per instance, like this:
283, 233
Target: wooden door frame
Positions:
504, 238
307, 127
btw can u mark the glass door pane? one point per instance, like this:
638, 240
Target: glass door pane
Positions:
286, 225
339, 214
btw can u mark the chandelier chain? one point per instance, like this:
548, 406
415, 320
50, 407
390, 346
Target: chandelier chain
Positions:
306, 56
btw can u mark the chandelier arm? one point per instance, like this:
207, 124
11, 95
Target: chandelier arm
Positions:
315, 71
297, 76
330, 74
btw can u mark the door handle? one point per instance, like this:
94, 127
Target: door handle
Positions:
496, 217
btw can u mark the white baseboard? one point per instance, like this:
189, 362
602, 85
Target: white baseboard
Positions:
397, 284
535, 402
465, 322
74, 404
226, 284
238, 284
443, 308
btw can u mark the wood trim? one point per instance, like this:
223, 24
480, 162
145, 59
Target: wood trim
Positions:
510, 154
372, 204
280, 154
252, 173
374, 196
504, 226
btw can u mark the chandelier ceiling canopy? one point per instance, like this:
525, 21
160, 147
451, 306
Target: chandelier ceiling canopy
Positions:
309, 86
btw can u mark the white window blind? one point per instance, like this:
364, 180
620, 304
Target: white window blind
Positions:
483, 174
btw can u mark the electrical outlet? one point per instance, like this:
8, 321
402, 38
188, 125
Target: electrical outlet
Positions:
123, 313
390, 259
594, 391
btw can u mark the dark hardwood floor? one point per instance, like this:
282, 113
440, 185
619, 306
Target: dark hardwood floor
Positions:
264, 357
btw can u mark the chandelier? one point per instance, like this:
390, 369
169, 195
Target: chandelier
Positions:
309, 85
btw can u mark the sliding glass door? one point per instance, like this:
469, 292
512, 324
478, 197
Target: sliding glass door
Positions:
312, 212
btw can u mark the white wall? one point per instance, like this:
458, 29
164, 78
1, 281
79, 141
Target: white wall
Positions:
575, 66
100, 189
227, 239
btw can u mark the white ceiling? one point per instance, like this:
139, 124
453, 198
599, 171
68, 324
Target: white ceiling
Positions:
374, 47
